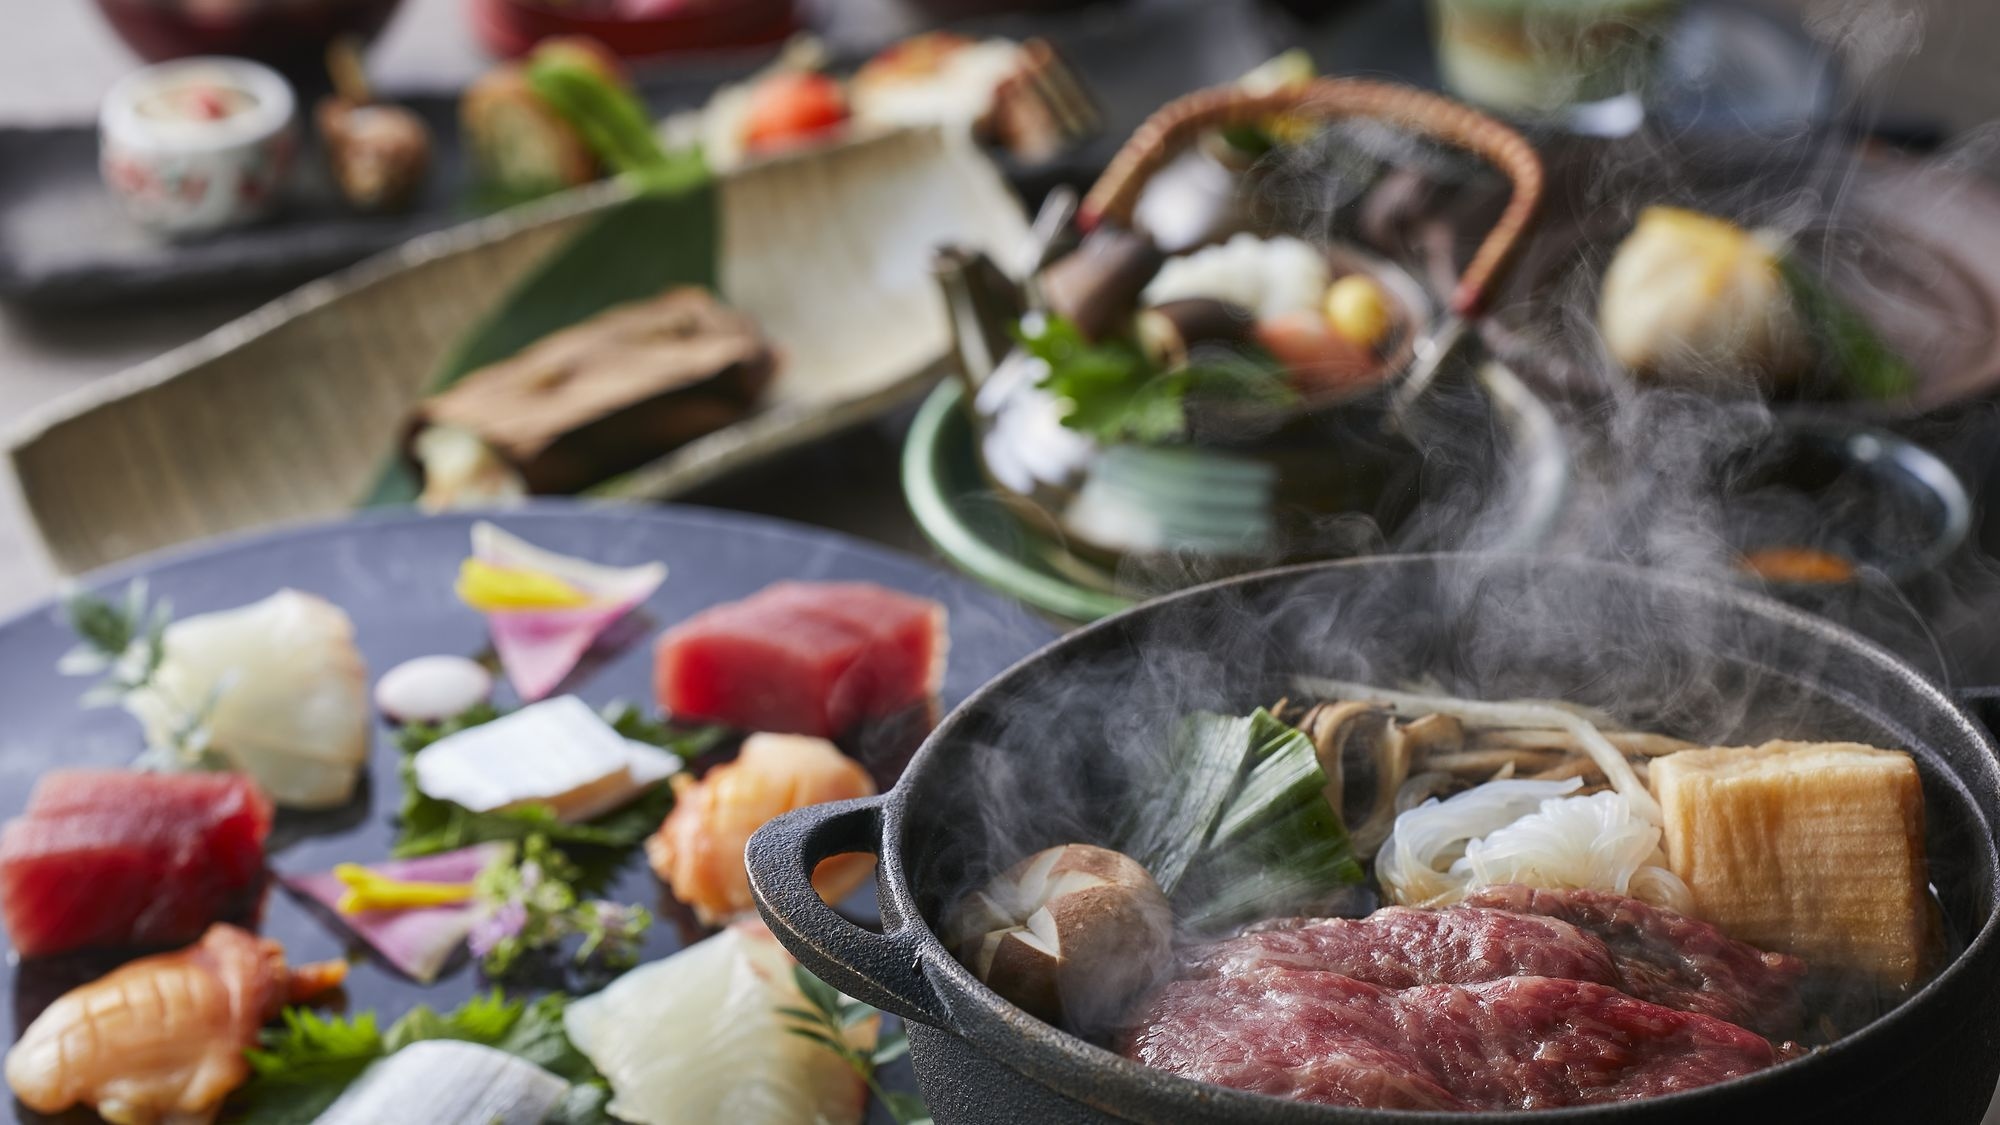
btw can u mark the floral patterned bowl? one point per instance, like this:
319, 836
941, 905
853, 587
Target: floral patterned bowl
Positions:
199, 144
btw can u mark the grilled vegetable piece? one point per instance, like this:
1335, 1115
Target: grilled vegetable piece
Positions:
1815, 849
379, 153
611, 393
520, 142
161, 1039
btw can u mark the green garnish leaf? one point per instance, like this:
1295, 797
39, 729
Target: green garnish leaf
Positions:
413, 737
611, 121
301, 1068
1863, 363
536, 908
826, 1023
1110, 391
124, 643
632, 722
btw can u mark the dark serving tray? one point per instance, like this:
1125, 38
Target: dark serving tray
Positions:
393, 575
65, 242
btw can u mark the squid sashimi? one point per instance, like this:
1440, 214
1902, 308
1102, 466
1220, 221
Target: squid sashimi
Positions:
698, 852
118, 858
280, 689
700, 1038
160, 1041
814, 658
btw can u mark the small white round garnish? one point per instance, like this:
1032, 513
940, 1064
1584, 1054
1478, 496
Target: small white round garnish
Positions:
431, 689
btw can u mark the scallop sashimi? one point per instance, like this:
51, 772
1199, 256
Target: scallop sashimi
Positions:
116, 858
814, 658
698, 852
700, 1038
280, 689
160, 1041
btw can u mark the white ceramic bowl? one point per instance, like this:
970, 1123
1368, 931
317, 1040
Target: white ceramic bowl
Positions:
188, 177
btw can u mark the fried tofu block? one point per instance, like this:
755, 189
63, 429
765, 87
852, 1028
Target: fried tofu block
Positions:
1815, 849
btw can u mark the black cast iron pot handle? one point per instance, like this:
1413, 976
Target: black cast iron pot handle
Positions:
882, 969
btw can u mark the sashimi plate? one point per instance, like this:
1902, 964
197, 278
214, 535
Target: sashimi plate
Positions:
393, 574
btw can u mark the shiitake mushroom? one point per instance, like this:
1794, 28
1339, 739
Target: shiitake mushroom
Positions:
1071, 934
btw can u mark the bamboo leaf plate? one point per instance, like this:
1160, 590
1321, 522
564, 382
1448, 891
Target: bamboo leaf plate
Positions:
293, 411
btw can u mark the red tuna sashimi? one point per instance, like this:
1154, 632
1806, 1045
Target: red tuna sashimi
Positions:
812, 658
114, 858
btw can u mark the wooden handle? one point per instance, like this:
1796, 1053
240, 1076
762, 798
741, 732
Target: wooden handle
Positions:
1176, 127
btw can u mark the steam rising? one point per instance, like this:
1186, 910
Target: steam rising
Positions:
1662, 477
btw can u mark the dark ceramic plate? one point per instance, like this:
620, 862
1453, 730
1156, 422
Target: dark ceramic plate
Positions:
394, 575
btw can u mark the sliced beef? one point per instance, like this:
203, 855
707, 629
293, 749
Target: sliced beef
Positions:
1515, 1043
1397, 947
1671, 959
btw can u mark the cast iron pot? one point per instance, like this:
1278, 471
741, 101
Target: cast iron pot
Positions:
1037, 758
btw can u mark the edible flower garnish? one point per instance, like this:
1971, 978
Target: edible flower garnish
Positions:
545, 610
517, 901
531, 906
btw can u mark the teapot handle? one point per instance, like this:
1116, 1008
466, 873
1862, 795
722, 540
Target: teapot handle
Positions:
1180, 123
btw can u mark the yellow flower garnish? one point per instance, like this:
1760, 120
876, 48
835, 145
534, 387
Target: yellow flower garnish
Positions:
486, 588
368, 890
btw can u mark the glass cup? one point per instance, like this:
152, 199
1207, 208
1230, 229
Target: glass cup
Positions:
1580, 64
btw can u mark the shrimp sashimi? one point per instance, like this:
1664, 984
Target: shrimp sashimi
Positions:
698, 852
160, 1041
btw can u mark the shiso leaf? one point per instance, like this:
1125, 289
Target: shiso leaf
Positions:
301, 1068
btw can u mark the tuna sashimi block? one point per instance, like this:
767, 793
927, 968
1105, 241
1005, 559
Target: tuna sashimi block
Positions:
115, 858
812, 658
